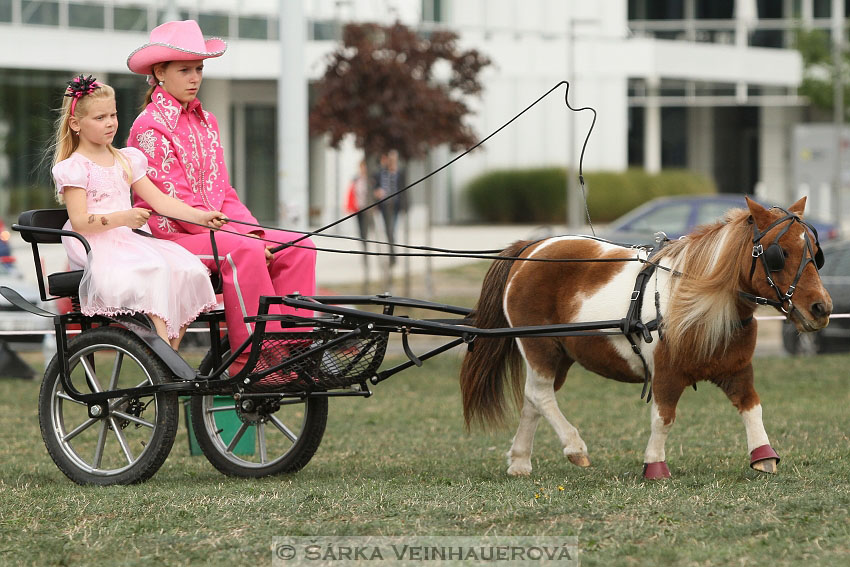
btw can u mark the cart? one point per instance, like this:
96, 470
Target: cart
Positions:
108, 407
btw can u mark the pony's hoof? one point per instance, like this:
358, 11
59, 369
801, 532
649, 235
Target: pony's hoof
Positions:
519, 469
764, 459
656, 471
579, 460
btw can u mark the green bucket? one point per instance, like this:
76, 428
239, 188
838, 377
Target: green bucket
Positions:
227, 421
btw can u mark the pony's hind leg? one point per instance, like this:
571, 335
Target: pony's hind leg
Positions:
539, 400
519, 455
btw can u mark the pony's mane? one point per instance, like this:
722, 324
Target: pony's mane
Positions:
702, 313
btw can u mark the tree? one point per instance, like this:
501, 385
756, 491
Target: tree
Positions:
380, 86
819, 75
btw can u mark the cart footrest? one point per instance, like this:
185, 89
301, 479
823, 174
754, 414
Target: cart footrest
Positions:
341, 365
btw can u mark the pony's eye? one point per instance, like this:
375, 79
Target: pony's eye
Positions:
785, 253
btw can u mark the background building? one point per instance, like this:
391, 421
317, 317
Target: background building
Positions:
704, 84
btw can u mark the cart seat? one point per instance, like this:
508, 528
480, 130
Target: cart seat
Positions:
64, 284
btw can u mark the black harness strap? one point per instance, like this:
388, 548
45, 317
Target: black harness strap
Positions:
633, 325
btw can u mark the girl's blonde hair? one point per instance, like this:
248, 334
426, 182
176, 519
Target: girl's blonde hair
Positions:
66, 142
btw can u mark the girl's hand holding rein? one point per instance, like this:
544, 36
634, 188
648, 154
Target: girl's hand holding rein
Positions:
212, 219
136, 217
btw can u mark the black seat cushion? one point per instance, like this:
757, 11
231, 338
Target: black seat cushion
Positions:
65, 284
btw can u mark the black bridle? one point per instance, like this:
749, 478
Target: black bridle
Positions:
773, 260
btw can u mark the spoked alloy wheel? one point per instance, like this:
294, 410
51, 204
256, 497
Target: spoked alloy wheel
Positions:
263, 436
131, 443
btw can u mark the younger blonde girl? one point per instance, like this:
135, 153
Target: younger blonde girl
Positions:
125, 272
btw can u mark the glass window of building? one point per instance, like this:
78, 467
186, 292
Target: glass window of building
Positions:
86, 16
253, 27
715, 9
260, 165
27, 100
40, 13
214, 25
656, 10
130, 18
164, 16
5, 10
822, 8
432, 10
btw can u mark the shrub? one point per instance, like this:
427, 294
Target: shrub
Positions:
538, 195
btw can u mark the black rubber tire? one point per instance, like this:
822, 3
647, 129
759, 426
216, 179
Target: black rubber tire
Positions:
289, 458
152, 420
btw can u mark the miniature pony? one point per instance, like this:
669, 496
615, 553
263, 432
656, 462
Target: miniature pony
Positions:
702, 296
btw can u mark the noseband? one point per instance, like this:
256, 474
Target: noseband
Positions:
773, 260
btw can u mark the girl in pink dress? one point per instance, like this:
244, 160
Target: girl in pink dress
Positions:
125, 272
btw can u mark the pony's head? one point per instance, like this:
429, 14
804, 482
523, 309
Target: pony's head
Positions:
784, 265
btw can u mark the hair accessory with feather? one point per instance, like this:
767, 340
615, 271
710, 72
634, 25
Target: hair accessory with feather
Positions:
79, 87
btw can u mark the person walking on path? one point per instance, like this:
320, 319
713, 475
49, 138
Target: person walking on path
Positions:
389, 180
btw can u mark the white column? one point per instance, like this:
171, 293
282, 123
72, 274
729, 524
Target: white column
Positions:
837, 26
292, 139
652, 128
807, 13
701, 139
775, 126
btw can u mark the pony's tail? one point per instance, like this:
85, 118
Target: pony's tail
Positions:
486, 365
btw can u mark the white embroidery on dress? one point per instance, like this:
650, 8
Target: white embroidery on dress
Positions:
158, 117
147, 142
169, 189
214, 145
152, 172
167, 154
165, 224
188, 166
170, 111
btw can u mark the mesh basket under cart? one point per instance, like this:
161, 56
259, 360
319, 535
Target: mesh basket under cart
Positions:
340, 365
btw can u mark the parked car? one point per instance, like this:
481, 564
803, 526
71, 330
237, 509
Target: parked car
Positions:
13, 319
836, 336
677, 216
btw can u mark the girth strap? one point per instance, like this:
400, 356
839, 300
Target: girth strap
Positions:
632, 323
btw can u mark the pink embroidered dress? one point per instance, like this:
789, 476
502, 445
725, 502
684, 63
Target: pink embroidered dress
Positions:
186, 161
126, 272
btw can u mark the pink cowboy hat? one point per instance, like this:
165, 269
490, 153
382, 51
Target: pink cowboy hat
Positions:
174, 41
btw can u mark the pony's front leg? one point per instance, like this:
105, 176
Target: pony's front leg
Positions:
740, 391
663, 414
540, 400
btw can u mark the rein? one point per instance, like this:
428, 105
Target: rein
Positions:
427, 251
470, 149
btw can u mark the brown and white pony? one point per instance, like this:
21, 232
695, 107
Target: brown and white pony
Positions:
708, 285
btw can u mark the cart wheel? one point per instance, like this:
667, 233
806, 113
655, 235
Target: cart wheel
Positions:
269, 435
129, 444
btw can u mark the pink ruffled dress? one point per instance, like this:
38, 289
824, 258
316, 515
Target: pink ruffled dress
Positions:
126, 272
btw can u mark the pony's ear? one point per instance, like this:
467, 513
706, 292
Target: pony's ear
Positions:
798, 207
761, 216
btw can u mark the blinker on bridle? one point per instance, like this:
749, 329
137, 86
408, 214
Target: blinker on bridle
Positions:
773, 259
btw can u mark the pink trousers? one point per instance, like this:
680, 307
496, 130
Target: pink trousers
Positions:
246, 276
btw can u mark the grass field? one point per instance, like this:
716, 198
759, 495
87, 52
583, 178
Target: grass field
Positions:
401, 463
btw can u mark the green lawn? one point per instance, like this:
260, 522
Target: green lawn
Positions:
401, 463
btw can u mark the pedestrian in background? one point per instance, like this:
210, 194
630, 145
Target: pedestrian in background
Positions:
389, 180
